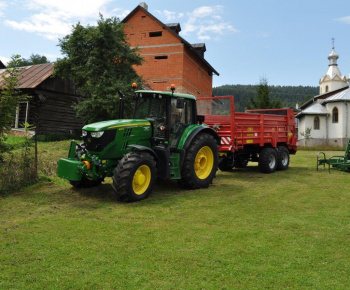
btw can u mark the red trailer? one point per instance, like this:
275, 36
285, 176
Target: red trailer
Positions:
263, 136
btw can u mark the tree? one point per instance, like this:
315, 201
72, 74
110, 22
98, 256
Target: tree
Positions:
33, 59
99, 61
307, 135
263, 100
10, 97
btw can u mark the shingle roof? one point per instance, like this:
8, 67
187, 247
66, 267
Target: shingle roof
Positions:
31, 76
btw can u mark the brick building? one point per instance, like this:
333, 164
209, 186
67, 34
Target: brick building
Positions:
169, 59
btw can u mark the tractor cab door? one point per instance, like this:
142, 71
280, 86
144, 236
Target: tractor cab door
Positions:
181, 116
153, 107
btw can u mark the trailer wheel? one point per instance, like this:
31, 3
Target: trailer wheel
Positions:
240, 163
84, 182
282, 158
134, 176
268, 160
201, 162
225, 164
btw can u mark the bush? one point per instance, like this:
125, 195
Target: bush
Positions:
18, 169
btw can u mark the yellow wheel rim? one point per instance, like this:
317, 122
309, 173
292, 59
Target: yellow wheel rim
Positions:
203, 163
141, 180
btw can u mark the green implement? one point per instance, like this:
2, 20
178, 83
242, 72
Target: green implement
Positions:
335, 162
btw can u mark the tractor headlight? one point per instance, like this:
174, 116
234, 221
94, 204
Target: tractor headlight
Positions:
97, 134
84, 133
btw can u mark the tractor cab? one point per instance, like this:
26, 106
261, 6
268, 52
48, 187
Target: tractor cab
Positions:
169, 114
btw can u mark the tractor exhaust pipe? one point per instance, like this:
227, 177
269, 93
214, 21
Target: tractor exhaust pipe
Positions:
121, 104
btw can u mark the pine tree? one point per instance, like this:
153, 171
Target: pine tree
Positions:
263, 100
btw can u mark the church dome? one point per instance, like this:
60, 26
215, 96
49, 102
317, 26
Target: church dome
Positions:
333, 55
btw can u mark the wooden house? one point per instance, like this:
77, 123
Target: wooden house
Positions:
49, 107
169, 59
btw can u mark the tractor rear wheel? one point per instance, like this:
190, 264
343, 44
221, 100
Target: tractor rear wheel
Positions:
201, 162
134, 176
268, 160
282, 158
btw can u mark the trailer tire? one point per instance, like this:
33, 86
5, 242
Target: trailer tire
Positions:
282, 158
201, 162
134, 176
268, 160
225, 164
240, 163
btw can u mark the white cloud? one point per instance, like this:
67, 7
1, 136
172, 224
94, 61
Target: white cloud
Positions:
345, 19
81, 9
206, 22
170, 15
54, 19
120, 13
3, 5
47, 25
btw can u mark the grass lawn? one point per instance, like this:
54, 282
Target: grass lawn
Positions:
247, 230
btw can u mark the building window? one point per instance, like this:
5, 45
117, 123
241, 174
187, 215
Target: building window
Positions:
335, 114
155, 34
326, 89
316, 123
161, 57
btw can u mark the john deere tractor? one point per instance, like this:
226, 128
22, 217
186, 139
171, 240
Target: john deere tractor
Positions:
165, 139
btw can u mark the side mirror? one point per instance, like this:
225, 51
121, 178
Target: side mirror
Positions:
180, 103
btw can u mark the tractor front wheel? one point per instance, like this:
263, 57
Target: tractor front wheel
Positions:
134, 176
201, 162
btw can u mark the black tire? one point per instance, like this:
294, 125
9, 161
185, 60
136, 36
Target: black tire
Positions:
240, 163
201, 162
84, 182
282, 158
134, 176
268, 160
225, 164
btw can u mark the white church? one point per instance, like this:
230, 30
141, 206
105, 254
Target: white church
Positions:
326, 116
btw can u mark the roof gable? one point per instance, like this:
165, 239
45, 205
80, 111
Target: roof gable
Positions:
192, 49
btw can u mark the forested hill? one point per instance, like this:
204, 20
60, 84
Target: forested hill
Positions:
288, 94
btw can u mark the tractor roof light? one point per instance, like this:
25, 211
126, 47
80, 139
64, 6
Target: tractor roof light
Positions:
172, 87
134, 85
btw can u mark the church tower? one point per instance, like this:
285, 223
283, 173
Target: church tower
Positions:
333, 79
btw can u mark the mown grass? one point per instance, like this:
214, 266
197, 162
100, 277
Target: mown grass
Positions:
289, 229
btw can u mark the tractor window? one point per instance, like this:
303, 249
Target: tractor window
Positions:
151, 107
179, 120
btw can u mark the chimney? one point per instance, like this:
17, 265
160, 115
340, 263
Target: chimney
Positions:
144, 5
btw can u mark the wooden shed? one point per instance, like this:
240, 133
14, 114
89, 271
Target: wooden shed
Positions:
51, 99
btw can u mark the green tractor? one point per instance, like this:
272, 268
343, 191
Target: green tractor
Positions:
165, 139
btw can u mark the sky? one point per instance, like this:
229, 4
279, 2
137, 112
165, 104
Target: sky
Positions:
287, 42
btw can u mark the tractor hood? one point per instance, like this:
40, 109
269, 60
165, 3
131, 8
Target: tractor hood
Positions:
114, 124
